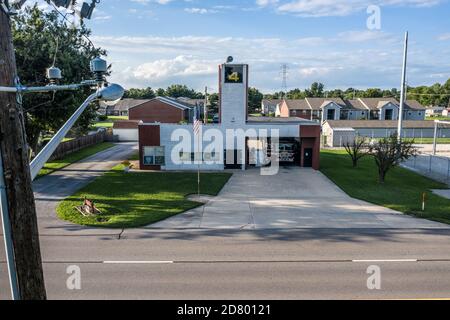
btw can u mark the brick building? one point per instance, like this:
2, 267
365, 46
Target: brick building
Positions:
237, 141
162, 110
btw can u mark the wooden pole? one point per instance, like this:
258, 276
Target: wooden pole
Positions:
16, 171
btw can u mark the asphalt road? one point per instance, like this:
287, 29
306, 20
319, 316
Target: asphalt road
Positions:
248, 264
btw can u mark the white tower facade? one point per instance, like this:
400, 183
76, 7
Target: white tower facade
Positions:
233, 92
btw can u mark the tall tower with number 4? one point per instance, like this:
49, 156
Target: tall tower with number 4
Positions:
233, 91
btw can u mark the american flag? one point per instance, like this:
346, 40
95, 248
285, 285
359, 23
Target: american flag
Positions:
197, 126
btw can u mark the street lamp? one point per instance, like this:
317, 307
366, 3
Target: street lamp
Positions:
110, 93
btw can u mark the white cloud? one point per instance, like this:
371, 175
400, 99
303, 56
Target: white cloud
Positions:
199, 10
180, 66
265, 3
444, 37
323, 8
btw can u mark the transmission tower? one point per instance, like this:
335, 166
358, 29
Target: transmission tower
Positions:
284, 75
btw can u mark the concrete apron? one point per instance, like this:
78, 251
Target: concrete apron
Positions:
295, 198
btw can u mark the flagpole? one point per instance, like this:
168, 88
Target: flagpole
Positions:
197, 131
198, 177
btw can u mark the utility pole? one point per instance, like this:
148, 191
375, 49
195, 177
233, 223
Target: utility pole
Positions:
403, 89
205, 107
17, 188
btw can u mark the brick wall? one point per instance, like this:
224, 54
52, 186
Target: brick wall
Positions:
310, 138
157, 111
149, 136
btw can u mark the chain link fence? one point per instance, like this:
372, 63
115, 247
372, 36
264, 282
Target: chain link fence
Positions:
435, 167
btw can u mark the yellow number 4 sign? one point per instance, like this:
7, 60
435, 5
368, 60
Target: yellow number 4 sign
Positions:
234, 77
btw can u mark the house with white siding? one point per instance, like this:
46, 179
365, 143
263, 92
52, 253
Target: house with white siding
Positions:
323, 109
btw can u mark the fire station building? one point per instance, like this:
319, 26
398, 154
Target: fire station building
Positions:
237, 141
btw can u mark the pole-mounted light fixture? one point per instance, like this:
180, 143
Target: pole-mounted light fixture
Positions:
87, 10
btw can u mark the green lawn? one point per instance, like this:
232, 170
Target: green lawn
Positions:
108, 123
426, 140
431, 140
438, 118
136, 199
402, 191
52, 166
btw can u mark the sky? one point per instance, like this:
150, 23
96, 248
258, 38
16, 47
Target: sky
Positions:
341, 43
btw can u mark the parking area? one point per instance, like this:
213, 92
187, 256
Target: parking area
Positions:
295, 198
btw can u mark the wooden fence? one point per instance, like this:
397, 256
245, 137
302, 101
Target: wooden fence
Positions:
77, 144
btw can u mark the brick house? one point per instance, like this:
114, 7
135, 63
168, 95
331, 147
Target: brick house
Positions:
162, 110
121, 108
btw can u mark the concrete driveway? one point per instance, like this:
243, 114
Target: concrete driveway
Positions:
53, 188
295, 198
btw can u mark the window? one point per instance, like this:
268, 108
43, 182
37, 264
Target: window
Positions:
209, 156
389, 114
330, 114
344, 114
374, 115
154, 156
185, 156
197, 156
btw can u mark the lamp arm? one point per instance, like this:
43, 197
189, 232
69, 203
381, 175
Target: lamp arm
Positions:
38, 163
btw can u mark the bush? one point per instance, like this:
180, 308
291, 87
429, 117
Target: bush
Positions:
102, 118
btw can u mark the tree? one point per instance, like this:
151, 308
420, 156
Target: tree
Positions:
356, 149
337, 93
296, 94
213, 106
389, 153
39, 39
160, 92
146, 93
178, 90
373, 93
254, 99
316, 90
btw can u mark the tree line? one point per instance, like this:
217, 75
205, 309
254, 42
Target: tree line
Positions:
435, 95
